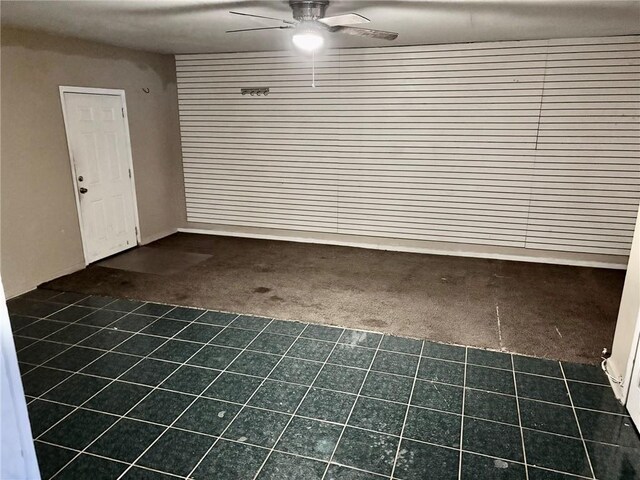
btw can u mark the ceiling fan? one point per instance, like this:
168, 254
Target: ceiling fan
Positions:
309, 25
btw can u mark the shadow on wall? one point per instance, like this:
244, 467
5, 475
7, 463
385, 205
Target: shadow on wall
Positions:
16, 37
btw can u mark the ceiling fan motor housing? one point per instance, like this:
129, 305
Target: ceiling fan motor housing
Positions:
307, 10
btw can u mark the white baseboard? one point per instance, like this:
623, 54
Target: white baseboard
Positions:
476, 253
619, 392
620, 385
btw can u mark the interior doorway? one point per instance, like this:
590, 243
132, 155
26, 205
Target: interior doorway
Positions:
101, 166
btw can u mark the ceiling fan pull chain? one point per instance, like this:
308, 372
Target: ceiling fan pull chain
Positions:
313, 70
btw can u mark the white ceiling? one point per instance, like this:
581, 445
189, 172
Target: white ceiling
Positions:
184, 26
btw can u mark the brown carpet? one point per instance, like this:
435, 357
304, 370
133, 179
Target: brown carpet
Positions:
159, 261
559, 312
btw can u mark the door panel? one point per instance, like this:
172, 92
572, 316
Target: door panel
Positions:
97, 137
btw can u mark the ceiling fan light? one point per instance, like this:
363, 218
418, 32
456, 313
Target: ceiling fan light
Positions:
308, 41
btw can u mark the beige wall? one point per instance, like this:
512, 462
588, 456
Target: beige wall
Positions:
627, 328
40, 235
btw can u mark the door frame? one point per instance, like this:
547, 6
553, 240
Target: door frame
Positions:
100, 91
633, 383
17, 453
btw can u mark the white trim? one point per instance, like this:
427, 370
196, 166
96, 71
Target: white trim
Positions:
621, 390
402, 248
633, 377
136, 217
515, 391
620, 369
100, 91
618, 388
17, 453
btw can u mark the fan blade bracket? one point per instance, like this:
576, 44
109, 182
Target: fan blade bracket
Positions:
345, 19
281, 27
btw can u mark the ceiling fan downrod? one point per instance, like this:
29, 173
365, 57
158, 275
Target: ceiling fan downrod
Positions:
308, 10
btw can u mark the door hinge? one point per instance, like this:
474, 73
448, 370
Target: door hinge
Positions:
136, 229
122, 109
129, 173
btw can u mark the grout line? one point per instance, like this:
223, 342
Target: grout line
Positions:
346, 422
487, 349
301, 402
134, 332
141, 332
38, 320
298, 455
406, 413
242, 408
310, 418
35, 365
75, 372
44, 339
188, 323
232, 402
524, 450
150, 422
76, 322
464, 394
351, 467
79, 452
203, 309
211, 342
270, 318
51, 300
329, 341
97, 393
564, 474
198, 396
105, 352
575, 414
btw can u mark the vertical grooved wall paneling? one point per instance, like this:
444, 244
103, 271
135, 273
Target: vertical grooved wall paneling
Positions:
531, 144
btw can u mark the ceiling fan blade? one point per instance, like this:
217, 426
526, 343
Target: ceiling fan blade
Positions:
346, 19
290, 22
259, 28
365, 32
187, 7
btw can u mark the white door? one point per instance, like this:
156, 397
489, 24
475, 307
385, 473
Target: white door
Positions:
633, 401
100, 155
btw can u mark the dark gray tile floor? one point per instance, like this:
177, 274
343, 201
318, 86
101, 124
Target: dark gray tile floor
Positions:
123, 389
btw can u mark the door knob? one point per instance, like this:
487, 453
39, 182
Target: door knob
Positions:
83, 190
